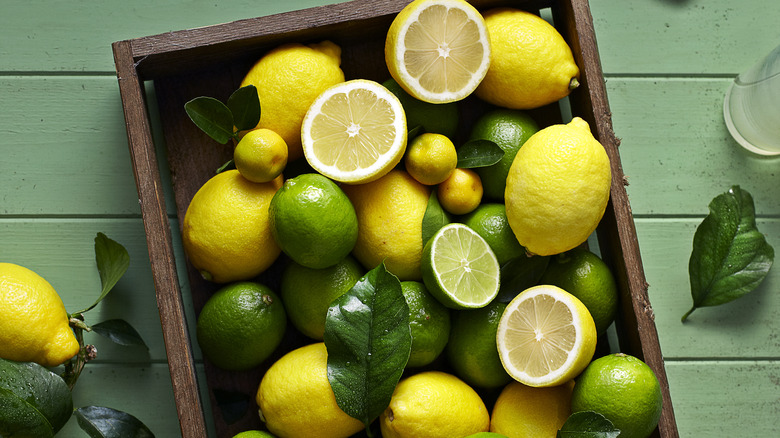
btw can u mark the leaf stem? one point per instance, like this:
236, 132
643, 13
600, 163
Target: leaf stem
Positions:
684, 317
75, 365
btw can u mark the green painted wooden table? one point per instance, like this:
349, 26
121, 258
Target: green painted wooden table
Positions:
65, 175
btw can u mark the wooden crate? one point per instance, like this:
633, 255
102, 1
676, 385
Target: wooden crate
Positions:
211, 61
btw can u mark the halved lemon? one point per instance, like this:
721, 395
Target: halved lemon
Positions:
545, 337
354, 132
438, 50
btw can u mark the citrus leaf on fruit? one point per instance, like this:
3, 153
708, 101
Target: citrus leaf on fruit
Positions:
730, 256
112, 262
520, 273
369, 341
244, 105
102, 422
34, 402
588, 424
212, 117
479, 153
434, 218
120, 332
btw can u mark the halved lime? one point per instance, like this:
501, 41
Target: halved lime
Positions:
459, 268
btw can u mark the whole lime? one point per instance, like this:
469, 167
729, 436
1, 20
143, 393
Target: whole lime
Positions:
472, 349
509, 129
254, 434
624, 390
313, 221
307, 293
429, 321
584, 275
435, 118
489, 221
241, 325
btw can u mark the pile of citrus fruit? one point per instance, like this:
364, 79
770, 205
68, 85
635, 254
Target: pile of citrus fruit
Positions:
383, 183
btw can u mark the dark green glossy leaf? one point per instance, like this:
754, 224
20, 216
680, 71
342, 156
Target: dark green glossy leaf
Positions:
368, 339
520, 273
434, 218
588, 424
479, 153
34, 402
120, 332
212, 117
112, 262
244, 105
230, 164
415, 131
102, 422
730, 256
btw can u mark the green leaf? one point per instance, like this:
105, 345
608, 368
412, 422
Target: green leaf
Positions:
520, 273
102, 422
112, 262
434, 218
479, 153
588, 424
212, 117
230, 164
730, 256
244, 105
368, 339
415, 131
34, 402
120, 332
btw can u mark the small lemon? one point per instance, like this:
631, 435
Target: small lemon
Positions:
461, 193
431, 158
261, 155
33, 321
557, 188
241, 250
296, 400
434, 404
288, 79
525, 412
532, 65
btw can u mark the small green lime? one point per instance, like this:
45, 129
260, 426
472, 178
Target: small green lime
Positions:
429, 321
623, 389
509, 129
584, 275
313, 221
307, 293
436, 118
489, 221
241, 325
472, 349
255, 434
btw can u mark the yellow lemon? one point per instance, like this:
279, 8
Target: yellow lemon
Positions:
226, 233
261, 155
433, 404
557, 188
288, 79
526, 412
461, 192
532, 65
33, 321
296, 400
431, 158
390, 211
438, 50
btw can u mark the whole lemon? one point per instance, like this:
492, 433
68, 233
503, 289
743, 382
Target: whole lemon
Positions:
434, 404
557, 188
288, 79
532, 65
33, 321
526, 412
226, 233
296, 400
261, 155
254, 434
461, 192
431, 158
390, 211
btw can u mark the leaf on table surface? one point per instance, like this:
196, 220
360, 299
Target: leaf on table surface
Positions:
102, 422
244, 105
434, 218
479, 153
588, 424
368, 339
212, 117
112, 262
120, 332
730, 256
33, 400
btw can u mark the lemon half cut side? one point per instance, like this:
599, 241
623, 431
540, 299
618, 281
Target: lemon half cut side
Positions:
545, 337
438, 50
354, 132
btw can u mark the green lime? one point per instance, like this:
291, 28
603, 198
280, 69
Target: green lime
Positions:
584, 275
509, 129
472, 349
254, 434
307, 293
459, 268
439, 118
429, 321
623, 389
313, 221
241, 325
489, 221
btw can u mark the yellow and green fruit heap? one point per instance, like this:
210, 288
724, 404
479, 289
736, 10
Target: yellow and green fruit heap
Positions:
473, 237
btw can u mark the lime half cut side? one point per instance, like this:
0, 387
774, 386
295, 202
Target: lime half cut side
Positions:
459, 268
